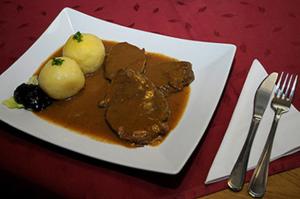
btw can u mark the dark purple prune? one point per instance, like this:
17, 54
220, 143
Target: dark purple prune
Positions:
32, 97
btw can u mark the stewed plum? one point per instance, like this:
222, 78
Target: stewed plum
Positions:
32, 97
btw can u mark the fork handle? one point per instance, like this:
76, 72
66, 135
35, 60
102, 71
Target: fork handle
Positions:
258, 182
237, 176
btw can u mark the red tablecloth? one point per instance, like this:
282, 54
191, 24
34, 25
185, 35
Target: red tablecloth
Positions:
268, 30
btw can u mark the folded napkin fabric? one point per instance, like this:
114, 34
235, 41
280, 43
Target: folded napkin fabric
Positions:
287, 138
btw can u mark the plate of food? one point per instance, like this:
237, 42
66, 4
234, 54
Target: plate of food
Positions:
117, 94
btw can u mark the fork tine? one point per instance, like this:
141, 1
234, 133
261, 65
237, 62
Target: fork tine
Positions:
293, 88
288, 86
283, 86
277, 91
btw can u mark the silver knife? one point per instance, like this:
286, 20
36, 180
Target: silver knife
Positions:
261, 100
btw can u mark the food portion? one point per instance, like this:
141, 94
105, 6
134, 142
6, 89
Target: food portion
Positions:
135, 108
136, 97
61, 77
87, 50
136, 103
124, 55
171, 76
31, 97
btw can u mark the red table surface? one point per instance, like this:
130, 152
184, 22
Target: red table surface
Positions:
268, 30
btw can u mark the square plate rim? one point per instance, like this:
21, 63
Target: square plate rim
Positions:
66, 13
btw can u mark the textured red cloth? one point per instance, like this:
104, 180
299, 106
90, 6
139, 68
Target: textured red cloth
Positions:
268, 30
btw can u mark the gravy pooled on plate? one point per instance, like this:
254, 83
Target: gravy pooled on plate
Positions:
81, 112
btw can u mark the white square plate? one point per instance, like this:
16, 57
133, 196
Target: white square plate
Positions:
211, 65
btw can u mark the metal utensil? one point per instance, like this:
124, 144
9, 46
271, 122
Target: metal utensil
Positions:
262, 96
281, 104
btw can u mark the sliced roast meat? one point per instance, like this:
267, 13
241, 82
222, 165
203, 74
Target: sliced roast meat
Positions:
171, 76
135, 109
124, 55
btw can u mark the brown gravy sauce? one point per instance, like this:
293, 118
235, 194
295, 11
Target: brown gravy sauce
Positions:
81, 114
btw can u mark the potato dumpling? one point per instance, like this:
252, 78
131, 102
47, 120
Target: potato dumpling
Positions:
86, 49
61, 77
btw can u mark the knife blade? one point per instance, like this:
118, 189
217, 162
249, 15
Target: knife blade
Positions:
261, 100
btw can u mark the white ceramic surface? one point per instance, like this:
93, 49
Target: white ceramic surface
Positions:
211, 65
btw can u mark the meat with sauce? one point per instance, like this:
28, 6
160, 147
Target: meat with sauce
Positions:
171, 76
124, 55
135, 109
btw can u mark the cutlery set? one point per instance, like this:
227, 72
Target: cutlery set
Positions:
281, 102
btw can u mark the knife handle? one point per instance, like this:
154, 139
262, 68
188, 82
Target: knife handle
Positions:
258, 182
237, 176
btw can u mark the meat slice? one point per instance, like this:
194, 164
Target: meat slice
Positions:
171, 76
135, 109
124, 55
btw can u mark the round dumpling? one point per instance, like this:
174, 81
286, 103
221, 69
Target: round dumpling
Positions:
86, 49
61, 77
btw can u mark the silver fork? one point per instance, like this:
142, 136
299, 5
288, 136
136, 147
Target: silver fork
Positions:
281, 104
